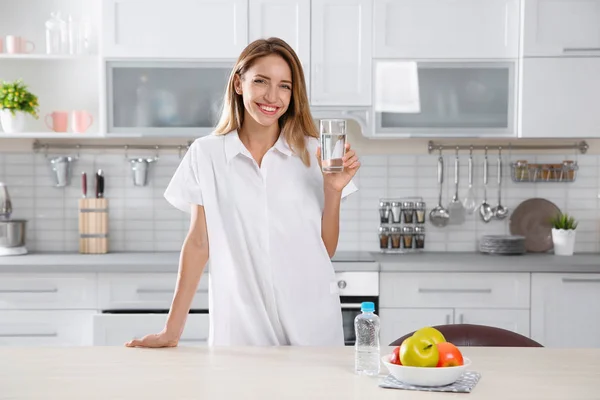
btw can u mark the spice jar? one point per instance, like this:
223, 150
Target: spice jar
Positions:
395, 235
384, 237
569, 168
407, 237
420, 212
408, 209
396, 209
522, 170
419, 237
384, 212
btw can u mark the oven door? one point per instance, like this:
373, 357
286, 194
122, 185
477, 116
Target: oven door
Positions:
350, 309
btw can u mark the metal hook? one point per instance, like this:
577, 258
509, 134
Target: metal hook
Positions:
499, 150
78, 147
440, 148
156, 154
471, 151
45, 151
486, 151
457, 149
126, 151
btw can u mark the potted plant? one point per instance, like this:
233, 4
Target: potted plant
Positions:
563, 234
15, 102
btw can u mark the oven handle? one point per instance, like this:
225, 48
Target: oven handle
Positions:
351, 305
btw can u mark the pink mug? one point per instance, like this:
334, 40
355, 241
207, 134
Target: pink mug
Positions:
59, 121
81, 121
17, 44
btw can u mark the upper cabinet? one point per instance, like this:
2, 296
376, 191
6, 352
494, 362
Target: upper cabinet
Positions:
561, 28
286, 19
341, 52
208, 29
560, 97
446, 28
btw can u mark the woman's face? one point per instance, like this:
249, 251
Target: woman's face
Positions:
266, 88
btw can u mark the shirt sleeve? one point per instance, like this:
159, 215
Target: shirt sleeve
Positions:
349, 189
184, 188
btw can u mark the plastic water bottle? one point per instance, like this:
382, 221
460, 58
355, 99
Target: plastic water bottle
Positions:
366, 328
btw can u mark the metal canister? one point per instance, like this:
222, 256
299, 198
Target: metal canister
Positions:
407, 237
385, 209
419, 237
420, 210
408, 209
396, 210
384, 237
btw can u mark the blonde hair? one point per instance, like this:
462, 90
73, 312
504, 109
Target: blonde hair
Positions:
296, 122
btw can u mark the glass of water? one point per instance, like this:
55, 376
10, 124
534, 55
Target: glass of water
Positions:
333, 144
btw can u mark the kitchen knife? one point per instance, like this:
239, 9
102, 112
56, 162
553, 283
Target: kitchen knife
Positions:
100, 184
84, 184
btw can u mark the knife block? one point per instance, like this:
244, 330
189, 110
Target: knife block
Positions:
93, 226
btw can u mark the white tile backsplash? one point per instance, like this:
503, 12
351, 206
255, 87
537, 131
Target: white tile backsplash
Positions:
141, 220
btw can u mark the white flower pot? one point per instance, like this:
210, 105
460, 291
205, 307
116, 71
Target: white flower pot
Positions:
12, 123
564, 241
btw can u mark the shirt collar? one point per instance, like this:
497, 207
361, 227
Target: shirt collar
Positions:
234, 146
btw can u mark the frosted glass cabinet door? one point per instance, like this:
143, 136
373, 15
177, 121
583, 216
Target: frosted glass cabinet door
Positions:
454, 99
165, 98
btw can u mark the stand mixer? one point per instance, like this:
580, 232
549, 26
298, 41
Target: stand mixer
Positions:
12, 231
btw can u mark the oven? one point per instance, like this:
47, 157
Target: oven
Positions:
355, 288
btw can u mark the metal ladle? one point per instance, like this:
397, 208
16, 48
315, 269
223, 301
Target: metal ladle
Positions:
485, 209
500, 212
439, 215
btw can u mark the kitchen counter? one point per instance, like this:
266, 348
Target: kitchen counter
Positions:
276, 373
476, 262
141, 262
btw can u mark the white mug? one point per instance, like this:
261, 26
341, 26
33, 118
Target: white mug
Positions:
17, 44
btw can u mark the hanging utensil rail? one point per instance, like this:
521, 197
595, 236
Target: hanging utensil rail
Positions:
581, 146
37, 146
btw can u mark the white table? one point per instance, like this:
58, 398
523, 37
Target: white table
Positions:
110, 373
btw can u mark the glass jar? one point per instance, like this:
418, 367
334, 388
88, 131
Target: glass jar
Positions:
396, 210
384, 212
384, 237
407, 237
395, 234
419, 237
420, 212
408, 209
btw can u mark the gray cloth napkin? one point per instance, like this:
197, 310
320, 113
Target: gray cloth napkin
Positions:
464, 384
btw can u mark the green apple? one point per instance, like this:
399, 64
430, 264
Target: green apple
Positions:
433, 334
419, 351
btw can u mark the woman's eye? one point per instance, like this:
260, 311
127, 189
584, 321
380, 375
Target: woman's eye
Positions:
288, 87
259, 81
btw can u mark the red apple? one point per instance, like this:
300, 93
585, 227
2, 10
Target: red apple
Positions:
395, 358
450, 356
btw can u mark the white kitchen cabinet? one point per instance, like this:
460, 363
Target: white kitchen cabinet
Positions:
560, 97
512, 320
341, 32
286, 19
564, 310
47, 291
446, 29
397, 322
455, 290
561, 28
116, 329
46, 327
205, 29
130, 291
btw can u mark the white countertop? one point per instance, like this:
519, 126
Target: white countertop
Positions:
276, 373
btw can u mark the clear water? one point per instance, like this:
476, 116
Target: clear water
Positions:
367, 350
333, 148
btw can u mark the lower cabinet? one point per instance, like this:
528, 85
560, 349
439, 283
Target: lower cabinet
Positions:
397, 322
116, 329
564, 310
46, 327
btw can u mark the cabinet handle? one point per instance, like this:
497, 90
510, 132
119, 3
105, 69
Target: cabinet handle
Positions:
7, 335
427, 290
168, 291
580, 280
569, 49
29, 290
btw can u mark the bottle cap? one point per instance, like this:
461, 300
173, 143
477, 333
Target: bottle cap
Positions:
367, 306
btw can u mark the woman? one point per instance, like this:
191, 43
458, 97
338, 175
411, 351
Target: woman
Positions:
264, 211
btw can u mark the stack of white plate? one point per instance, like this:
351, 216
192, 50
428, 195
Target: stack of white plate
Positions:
502, 244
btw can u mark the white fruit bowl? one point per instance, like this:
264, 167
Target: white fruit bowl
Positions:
420, 376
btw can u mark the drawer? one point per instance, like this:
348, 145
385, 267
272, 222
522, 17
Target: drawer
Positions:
124, 291
47, 291
470, 290
117, 329
46, 328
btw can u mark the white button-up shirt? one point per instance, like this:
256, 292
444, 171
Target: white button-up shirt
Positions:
271, 279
